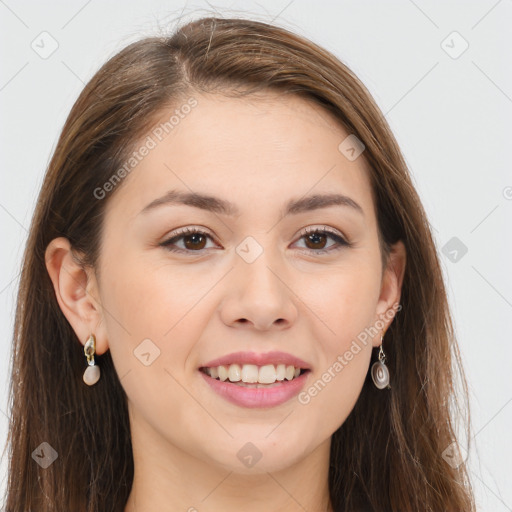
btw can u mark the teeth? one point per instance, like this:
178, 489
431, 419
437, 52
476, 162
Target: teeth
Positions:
252, 374
234, 373
222, 371
267, 374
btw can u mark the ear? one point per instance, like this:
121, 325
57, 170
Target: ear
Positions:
391, 287
76, 290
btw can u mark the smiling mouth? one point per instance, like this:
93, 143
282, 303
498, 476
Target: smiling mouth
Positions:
252, 376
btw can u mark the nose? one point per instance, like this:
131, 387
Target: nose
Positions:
259, 296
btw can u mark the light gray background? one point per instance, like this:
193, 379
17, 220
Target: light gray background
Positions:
451, 117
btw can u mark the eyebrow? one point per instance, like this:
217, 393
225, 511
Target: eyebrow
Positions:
221, 206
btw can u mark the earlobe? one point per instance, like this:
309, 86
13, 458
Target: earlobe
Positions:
391, 287
75, 289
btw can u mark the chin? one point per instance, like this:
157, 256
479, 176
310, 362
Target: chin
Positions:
259, 455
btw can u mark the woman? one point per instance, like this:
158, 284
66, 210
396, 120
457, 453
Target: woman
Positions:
230, 296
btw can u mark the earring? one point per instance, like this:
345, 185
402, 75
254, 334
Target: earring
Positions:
92, 372
380, 372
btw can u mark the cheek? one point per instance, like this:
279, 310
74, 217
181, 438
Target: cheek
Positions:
155, 317
345, 304
332, 393
164, 318
153, 308
345, 301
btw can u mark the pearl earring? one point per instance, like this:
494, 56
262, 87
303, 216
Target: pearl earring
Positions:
92, 372
380, 372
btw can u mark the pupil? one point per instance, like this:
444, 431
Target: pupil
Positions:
195, 238
316, 236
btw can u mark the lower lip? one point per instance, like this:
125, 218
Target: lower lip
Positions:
257, 397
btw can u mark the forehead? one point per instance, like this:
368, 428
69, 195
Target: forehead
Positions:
255, 151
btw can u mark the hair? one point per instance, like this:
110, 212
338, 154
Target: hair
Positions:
387, 455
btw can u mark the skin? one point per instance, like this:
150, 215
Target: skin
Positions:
258, 153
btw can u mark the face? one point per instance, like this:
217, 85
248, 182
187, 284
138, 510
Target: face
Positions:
250, 278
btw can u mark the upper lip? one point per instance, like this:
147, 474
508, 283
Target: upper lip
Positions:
274, 357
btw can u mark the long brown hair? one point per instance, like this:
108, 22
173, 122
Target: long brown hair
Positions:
388, 454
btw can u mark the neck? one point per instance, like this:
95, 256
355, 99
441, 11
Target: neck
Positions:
167, 478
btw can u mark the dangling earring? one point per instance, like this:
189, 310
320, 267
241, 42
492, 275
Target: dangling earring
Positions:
380, 372
92, 372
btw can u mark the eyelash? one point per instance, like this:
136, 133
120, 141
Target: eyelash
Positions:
340, 241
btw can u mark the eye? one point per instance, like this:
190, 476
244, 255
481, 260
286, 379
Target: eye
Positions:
317, 237
195, 239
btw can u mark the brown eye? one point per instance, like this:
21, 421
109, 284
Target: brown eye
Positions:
196, 241
317, 240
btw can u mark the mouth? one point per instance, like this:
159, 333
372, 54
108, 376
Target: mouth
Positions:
254, 379
251, 386
253, 376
